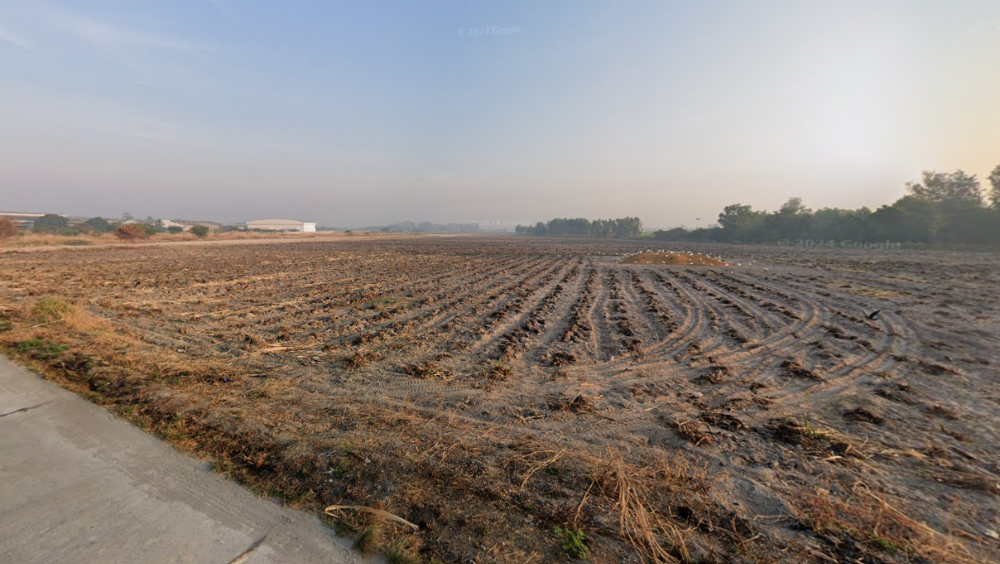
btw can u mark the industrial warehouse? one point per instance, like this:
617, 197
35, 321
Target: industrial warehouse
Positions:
281, 225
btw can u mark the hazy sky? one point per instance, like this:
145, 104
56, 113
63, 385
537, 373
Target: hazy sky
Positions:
372, 112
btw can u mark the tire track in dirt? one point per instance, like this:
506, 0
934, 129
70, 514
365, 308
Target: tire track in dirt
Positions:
785, 338
878, 359
693, 326
732, 334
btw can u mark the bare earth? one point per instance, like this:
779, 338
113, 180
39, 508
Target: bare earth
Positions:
493, 389
672, 259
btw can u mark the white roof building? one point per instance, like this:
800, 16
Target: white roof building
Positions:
187, 225
281, 225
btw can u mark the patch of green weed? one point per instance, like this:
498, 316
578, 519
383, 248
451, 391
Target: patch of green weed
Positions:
573, 542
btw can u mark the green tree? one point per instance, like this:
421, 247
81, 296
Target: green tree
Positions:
791, 221
601, 228
200, 231
675, 234
706, 234
98, 225
995, 188
908, 219
849, 225
958, 199
51, 223
175, 229
975, 226
947, 187
562, 227
740, 223
622, 228
626, 227
794, 206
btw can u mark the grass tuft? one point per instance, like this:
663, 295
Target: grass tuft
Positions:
370, 539
402, 552
50, 309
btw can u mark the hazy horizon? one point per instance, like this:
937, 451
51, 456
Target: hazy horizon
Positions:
460, 112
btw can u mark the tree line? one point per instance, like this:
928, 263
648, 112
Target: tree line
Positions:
944, 207
54, 224
428, 227
621, 228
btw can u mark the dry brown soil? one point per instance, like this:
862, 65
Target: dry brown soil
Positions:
673, 259
492, 389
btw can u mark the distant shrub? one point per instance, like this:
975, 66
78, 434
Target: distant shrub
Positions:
7, 228
51, 223
175, 229
98, 225
150, 228
131, 232
200, 231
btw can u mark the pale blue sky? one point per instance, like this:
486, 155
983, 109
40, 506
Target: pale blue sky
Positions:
372, 112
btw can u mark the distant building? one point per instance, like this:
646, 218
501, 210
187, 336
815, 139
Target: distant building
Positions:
281, 225
187, 225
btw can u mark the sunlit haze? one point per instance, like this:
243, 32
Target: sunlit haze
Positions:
366, 113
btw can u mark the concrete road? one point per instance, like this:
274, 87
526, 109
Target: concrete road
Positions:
79, 486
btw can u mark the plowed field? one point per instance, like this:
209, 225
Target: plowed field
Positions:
795, 405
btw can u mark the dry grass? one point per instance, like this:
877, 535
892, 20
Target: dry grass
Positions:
175, 395
7, 228
334, 511
873, 524
693, 431
172, 394
29, 239
90, 338
645, 528
131, 233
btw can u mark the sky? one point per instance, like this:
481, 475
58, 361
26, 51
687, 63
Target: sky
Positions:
367, 113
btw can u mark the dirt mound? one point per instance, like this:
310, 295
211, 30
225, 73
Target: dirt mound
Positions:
673, 259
